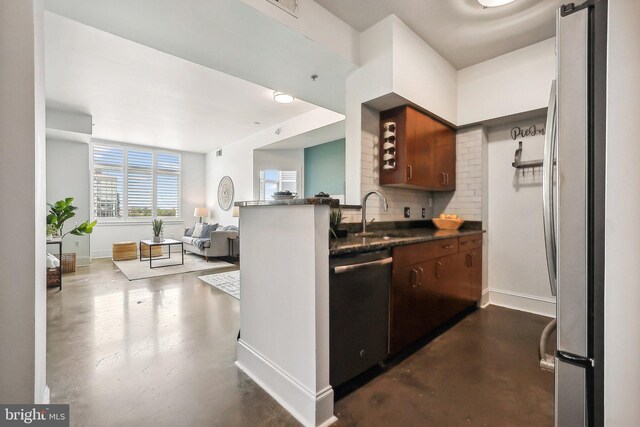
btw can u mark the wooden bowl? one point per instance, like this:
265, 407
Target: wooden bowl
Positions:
447, 224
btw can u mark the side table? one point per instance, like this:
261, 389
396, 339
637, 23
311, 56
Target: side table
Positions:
231, 242
59, 243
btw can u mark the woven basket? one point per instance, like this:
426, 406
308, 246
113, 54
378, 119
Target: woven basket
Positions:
68, 262
52, 277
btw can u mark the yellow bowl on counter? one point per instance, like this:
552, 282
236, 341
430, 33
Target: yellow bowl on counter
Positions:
447, 224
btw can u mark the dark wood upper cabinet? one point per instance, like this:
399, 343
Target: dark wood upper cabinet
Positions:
425, 151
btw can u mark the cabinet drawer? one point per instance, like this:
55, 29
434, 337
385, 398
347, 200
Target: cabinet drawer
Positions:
470, 242
419, 252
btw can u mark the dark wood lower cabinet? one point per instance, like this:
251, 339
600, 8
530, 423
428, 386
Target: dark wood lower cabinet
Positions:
427, 292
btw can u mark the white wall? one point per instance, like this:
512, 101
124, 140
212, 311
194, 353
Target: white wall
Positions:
237, 159
421, 75
22, 189
284, 307
517, 263
622, 246
193, 195
513, 83
68, 176
289, 160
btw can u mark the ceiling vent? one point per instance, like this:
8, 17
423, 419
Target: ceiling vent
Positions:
289, 6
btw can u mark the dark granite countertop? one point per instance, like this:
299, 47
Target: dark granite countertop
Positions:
334, 203
383, 239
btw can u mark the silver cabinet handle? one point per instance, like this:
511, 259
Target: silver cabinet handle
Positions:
351, 267
442, 179
414, 278
409, 172
420, 275
547, 189
438, 270
447, 246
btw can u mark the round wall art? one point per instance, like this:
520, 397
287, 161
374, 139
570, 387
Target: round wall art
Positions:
225, 193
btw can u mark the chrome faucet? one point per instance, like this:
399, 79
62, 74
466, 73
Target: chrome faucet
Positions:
364, 207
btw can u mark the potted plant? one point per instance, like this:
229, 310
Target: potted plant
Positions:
335, 219
157, 225
51, 230
61, 211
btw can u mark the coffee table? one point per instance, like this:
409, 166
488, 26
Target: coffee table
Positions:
166, 242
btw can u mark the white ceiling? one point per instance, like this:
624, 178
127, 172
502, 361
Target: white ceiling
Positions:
312, 138
140, 95
225, 35
461, 31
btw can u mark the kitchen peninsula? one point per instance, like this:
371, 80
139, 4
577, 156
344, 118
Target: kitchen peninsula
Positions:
285, 293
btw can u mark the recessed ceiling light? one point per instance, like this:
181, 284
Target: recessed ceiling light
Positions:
494, 3
282, 98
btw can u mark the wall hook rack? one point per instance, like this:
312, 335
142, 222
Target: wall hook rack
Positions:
519, 164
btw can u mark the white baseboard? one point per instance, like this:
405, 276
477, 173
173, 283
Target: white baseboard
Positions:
83, 261
523, 302
311, 409
46, 395
484, 299
101, 254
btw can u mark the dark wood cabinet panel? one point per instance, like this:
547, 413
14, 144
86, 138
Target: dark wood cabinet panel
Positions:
419, 252
431, 283
425, 151
470, 266
475, 288
409, 308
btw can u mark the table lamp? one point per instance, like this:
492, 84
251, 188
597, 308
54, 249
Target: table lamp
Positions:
200, 212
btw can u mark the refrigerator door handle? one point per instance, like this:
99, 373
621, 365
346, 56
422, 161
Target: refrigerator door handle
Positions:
550, 139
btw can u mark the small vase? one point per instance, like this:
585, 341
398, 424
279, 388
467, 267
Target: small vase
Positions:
157, 239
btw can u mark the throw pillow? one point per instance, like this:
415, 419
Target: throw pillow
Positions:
197, 231
207, 229
189, 232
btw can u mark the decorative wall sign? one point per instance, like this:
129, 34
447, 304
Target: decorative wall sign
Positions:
225, 193
518, 132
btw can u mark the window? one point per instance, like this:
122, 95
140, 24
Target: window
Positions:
272, 180
131, 183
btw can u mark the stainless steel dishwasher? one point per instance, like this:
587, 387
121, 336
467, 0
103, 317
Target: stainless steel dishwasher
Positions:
359, 313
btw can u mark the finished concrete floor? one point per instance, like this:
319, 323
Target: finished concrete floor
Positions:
161, 352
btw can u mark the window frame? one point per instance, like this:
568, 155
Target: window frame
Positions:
125, 219
263, 181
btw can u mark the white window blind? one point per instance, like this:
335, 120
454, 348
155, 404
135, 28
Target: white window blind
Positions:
135, 183
108, 169
168, 185
139, 183
272, 180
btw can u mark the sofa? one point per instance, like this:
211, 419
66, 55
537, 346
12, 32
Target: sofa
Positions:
215, 244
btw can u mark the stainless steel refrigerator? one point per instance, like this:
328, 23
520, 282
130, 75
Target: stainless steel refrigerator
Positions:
574, 207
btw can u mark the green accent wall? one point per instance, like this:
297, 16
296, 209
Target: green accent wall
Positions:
324, 167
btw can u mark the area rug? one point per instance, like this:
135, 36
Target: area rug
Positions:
135, 269
228, 282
